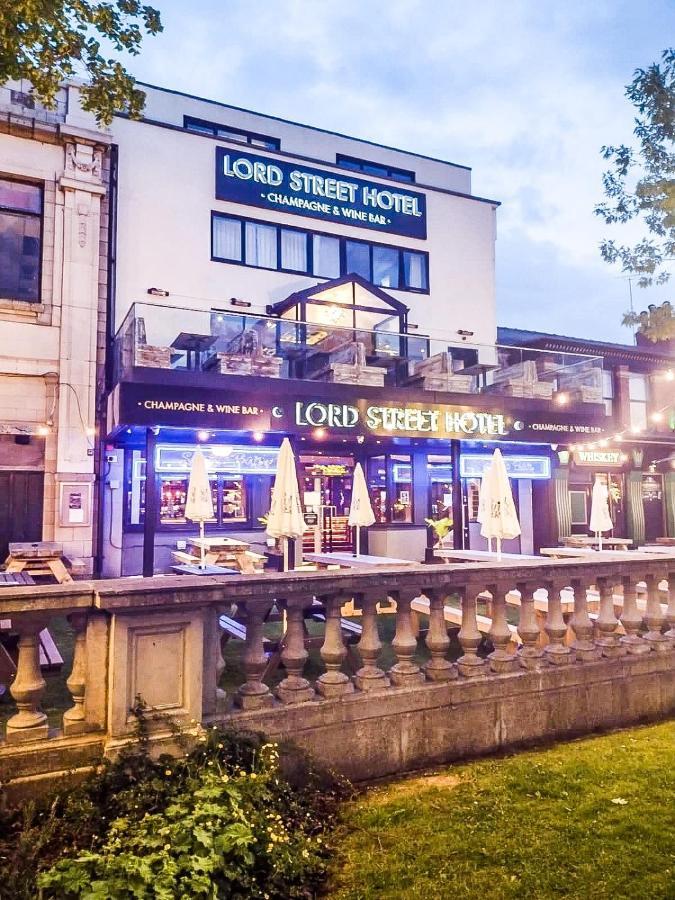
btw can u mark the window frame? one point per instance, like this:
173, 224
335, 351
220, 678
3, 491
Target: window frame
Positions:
390, 172
309, 234
33, 215
247, 137
389, 485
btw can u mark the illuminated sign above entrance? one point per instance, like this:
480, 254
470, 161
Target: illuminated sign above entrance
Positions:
599, 458
319, 193
534, 467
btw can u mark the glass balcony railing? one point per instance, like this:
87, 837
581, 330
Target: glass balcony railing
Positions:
225, 343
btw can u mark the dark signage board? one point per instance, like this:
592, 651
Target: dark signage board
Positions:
318, 193
185, 407
311, 518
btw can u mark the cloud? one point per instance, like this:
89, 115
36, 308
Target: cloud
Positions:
525, 93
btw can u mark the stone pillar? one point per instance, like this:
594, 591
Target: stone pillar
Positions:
369, 677
30, 722
670, 612
294, 688
254, 694
631, 619
470, 664
530, 655
438, 668
583, 645
74, 721
555, 651
607, 639
404, 671
654, 618
500, 659
333, 682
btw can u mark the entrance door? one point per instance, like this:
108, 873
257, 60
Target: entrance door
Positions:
21, 495
470, 499
652, 500
327, 486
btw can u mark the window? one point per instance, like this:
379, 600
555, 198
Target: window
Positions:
326, 256
608, 390
377, 169
20, 240
261, 245
254, 243
200, 126
579, 508
390, 487
638, 395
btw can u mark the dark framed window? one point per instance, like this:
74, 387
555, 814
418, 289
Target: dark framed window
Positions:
264, 245
372, 168
202, 126
390, 485
20, 240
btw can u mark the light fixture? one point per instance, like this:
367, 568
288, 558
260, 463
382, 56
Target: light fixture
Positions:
319, 433
603, 443
670, 375
258, 436
657, 417
91, 431
43, 430
234, 301
203, 435
157, 292
561, 399
464, 333
360, 438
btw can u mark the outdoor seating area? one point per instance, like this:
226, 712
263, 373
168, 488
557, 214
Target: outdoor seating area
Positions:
438, 373
520, 379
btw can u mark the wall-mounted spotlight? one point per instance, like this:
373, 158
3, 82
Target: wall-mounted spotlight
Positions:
158, 292
234, 301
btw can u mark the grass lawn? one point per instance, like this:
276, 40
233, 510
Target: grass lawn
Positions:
594, 818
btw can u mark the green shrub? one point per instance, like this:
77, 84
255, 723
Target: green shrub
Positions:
232, 818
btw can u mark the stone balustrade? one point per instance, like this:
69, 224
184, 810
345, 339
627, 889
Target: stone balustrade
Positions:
160, 639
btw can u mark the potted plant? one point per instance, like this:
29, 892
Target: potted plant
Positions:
441, 529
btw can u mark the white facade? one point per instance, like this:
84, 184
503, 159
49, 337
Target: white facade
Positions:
166, 196
51, 344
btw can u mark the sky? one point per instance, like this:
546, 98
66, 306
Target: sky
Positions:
524, 92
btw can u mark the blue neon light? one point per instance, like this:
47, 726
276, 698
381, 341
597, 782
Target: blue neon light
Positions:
533, 467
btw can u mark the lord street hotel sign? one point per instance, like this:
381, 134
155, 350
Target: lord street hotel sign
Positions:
318, 193
150, 404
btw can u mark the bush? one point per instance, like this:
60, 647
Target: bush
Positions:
232, 818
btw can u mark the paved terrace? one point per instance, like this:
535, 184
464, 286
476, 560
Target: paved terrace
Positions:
598, 651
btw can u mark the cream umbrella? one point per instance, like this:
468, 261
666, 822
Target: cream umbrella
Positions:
499, 517
199, 504
361, 513
286, 520
600, 518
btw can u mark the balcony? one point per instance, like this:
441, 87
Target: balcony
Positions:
371, 350
20, 106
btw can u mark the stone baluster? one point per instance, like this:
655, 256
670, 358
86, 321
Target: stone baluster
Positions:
470, 664
333, 682
530, 654
556, 652
583, 645
294, 688
74, 718
369, 677
254, 694
670, 612
654, 617
631, 619
404, 645
30, 722
607, 639
438, 668
500, 635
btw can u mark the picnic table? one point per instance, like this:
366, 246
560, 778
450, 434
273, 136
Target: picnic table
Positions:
348, 560
38, 558
581, 540
219, 550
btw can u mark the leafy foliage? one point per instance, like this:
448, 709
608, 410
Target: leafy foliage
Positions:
232, 818
641, 183
657, 323
53, 40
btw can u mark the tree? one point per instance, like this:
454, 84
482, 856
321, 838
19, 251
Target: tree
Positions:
50, 41
657, 323
641, 183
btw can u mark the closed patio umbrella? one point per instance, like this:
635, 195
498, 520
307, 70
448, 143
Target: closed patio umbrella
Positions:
199, 504
498, 516
286, 520
600, 518
361, 513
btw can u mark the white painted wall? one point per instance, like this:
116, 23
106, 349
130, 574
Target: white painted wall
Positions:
166, 195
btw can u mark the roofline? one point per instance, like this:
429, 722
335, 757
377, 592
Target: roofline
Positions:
305, 293
348, 137
560, 342
311, 159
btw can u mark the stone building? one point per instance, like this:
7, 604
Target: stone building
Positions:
54, 167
